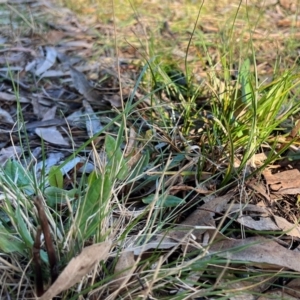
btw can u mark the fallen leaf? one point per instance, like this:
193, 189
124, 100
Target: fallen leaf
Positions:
260, 158
83, 86
261, 223
46, 123
276, 294
92, 121
114, 100
202, 216
131, 142
48, 62
254, 217
51, 135
9, 152
77, 268
184, 187
286, 182
258, 250
50, 114
289, 21
260, 218
5, 117
90, 93
54, 36
13, 98
289, 5
260, 188
52, 160
233, 284
293, 288
78, 44
156, 242
124, 269
289, 228
52, 73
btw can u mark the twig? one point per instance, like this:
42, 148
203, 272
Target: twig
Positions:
48, 240
37, 263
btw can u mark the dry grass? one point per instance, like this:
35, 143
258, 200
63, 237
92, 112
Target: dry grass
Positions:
147, 27
171, 157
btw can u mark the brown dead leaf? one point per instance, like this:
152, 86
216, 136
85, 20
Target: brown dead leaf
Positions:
47, 123
261, 218
85, 88
246, 290
276, 294
124, 269
53, 37
289, 5
293, 288
289, 228
286, 182
131, 142
77, 268
260, 188
79, 44
184, 187
158, 241
9, 152
134, 159
49, 61
115, 100
203, 216
50, 114
259, 251
232, 284
289, 22
254, 217
92, 121
5, 117
51, 135
261, 223
13, 98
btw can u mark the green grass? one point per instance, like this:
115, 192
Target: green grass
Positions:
185, 129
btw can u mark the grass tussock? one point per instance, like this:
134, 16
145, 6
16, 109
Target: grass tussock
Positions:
207, 95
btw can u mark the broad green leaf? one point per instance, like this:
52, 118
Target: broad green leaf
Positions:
93, 208
293, 156
110, 146
9, 243
176, 160
17, 173
117, 166
92, 177
164, 201
123, 169
55, 195
23, 230
56, 178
